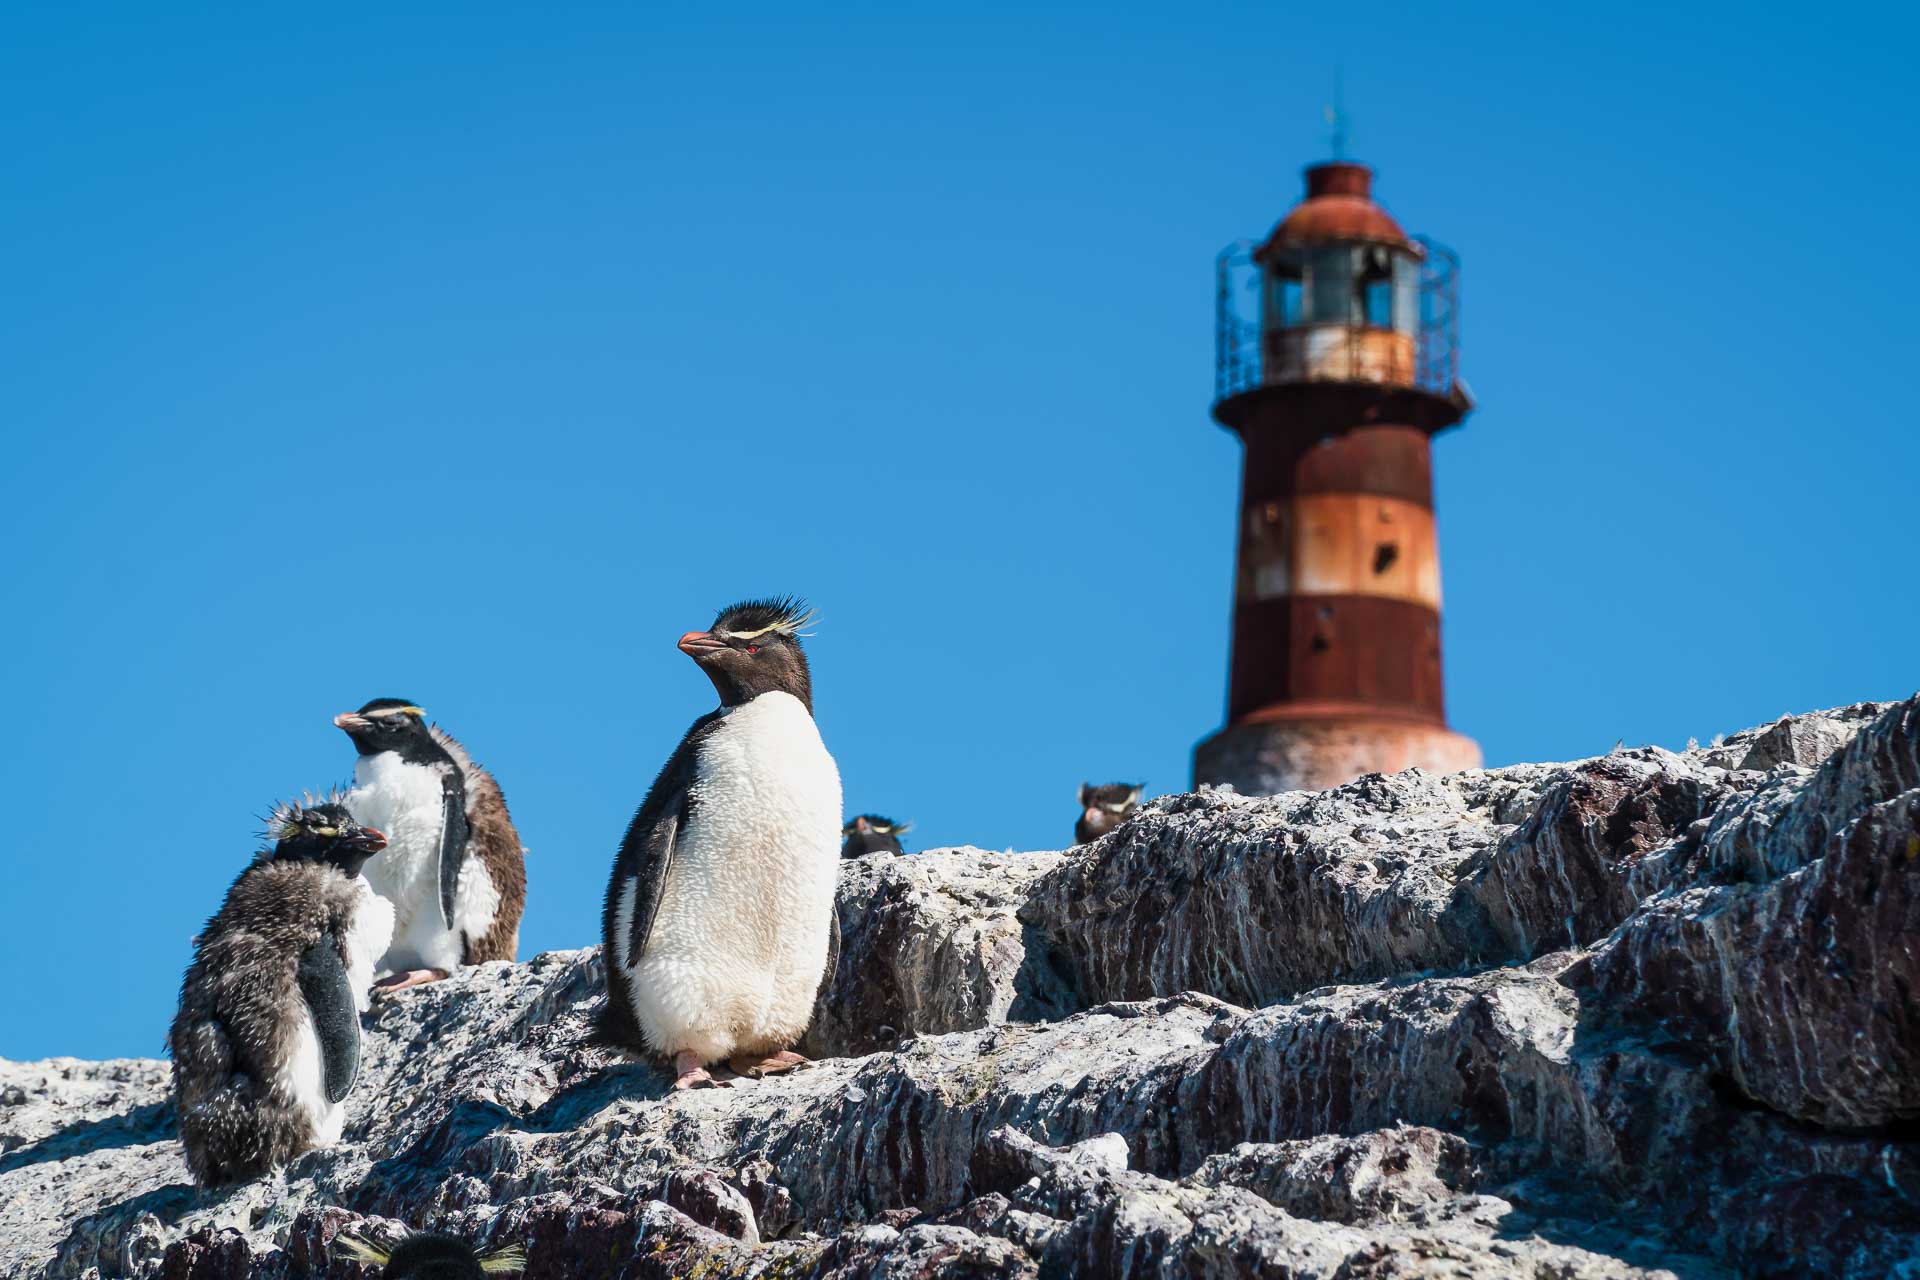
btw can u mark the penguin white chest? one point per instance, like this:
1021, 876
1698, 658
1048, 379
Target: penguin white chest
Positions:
739, 945
303, 1075
406, 801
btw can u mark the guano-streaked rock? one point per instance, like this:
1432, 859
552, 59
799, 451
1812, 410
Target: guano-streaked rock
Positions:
1649, 1014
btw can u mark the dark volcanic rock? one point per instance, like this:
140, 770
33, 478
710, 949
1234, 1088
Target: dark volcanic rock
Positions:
1651, 1014
1801, 991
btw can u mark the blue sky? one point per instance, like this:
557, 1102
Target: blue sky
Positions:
473, 355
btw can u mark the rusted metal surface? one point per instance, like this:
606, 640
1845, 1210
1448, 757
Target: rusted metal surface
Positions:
1390, 461
1365, 651
1339, 353
1318, 410
1296, 755
1339, 544
1339, 206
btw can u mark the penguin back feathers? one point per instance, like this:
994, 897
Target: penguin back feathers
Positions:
240, 1016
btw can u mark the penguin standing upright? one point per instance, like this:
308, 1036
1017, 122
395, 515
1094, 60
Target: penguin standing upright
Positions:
719, 918
453, 869
266, 1042
872, 833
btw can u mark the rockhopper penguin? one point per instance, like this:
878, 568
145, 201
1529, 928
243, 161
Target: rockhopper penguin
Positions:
267, 1039
871, 833
1105, 807
453, 869
431, 1255
719, 919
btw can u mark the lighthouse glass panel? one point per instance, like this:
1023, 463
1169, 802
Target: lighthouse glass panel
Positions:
1374, 299
1406, 292
1284, 294
1330, 298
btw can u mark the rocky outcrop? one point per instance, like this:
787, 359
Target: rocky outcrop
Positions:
1648, 1014
932, 943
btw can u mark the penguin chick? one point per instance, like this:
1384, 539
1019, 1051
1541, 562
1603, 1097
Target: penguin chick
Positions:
454, 869
1104, 808
871, 833
431, 1255
266, 1042
719, 919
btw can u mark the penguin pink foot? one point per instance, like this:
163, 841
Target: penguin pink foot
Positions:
411, 978
690, 1074
772, 1064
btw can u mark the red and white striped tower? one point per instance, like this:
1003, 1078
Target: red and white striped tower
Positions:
1338, 362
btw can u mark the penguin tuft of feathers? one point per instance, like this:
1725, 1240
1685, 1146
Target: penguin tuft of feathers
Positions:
285, 817
265, 1042
431, 1255
787, 615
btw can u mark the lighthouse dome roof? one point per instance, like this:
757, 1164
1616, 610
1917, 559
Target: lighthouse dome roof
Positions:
1339, 208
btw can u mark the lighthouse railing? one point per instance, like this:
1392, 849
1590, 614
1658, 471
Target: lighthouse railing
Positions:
1246, 340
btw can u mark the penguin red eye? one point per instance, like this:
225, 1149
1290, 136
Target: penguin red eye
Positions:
753, 648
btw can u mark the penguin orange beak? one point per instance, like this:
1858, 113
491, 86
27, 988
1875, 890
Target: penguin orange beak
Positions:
352, 723
862, 826
695, 643
371, 839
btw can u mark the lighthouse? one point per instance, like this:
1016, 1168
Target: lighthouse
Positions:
1337, 363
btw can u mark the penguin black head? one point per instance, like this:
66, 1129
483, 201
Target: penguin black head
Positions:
430, 1255
871, 833
754, 648
1104, 807
389, 724
322, 832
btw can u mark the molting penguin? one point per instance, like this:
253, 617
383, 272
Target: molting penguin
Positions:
1105, 807
267, 1039
719, 918
431, 1255
871, 833
454, 869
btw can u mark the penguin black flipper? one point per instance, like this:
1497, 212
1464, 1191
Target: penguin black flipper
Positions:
336, 1019
656, 856
453, 839
645, 852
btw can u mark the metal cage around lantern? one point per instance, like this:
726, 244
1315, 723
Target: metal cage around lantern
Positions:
1244, 338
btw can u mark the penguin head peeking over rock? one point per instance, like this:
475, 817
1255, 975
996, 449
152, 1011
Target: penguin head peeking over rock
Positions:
754, 648
323, 833
1104, 808
431, 1255
872, 833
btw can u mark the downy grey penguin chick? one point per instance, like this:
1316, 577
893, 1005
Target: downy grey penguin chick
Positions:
267, 1039
453, 869
719, 921
1105, 807
431, 1255
871, 833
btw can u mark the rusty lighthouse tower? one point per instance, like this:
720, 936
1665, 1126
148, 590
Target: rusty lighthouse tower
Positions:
1338, 361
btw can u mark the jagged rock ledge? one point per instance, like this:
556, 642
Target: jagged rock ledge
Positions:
1649, 1014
